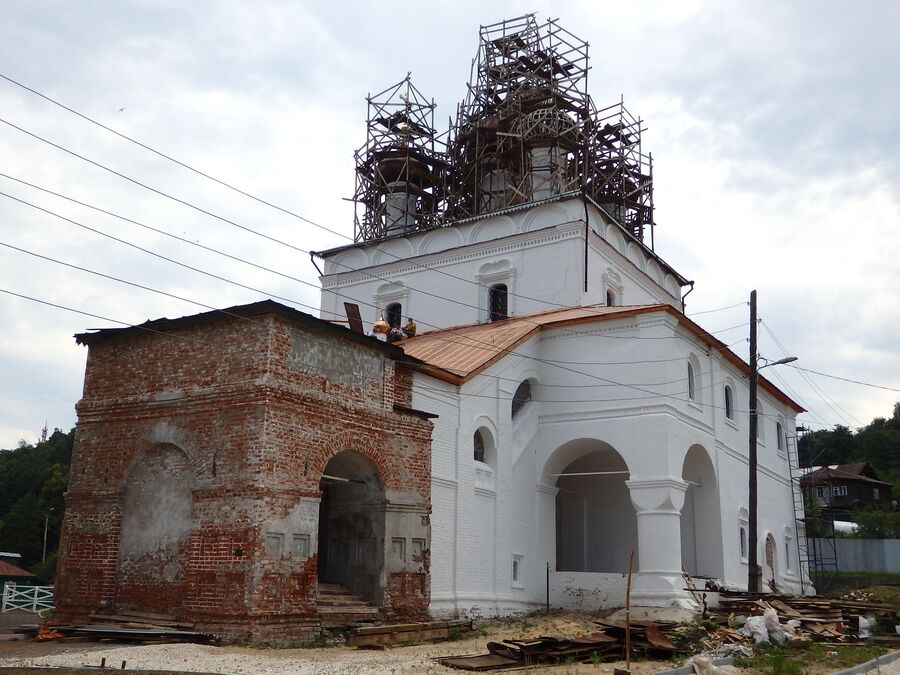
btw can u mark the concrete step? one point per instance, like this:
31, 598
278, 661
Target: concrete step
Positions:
338, 607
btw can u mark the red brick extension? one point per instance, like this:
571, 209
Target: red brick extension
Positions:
239, 415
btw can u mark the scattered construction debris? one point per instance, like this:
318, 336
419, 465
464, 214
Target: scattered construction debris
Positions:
368, 636
810, 618
733, 628
140, 627
607, 644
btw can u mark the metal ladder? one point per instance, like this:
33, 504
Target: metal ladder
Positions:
817, 555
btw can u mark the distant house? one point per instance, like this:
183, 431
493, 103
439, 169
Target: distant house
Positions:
10, 573
846, 487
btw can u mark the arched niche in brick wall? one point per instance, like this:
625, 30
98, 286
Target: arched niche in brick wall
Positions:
156, 524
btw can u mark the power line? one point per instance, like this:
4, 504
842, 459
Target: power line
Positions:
845, 379
129, 283
244, 227
651, 394
157, 255
307, 283
455, 339
245, 318
172, 159
301, 281
708, 311
222, 183
828, 400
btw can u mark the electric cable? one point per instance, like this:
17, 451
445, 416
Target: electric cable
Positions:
245, 318
845, 379
296, 279
836, 407
214, 179
651, 394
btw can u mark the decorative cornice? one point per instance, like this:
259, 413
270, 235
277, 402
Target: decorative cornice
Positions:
660, 409
473, 251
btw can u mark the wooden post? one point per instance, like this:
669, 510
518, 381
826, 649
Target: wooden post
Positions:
628, 614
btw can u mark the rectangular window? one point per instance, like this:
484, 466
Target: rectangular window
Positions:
820, 492
875, 493
838, 490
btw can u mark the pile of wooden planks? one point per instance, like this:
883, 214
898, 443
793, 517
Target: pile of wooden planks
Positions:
408, 632
143, 627
607, 644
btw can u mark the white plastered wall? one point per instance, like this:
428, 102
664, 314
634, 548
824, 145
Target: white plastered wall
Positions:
484, 517
441, 276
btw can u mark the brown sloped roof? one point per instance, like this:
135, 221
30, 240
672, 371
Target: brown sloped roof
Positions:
826, 474
858, 468
10, 570
458, 354
466, 350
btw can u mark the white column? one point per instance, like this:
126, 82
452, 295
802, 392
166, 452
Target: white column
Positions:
659, 581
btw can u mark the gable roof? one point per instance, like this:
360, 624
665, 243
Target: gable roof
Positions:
458, 354
844, 472
10, 570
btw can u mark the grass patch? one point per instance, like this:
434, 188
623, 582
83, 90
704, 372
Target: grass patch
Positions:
774, 660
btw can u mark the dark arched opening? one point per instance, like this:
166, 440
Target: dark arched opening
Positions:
351, 525
596, 526
393, 314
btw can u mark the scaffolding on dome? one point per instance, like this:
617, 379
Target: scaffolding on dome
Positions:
529, 130
400, 171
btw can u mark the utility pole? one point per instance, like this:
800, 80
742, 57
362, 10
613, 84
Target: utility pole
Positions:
753, 572
46, 522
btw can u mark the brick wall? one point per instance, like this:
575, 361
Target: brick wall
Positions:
240, 418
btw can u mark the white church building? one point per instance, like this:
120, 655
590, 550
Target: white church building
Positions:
581, 415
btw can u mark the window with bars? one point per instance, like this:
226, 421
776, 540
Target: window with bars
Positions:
498, 302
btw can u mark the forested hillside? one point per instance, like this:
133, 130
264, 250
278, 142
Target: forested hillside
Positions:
33, 480
877, 443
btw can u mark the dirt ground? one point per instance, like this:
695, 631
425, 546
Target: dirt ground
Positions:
302, 661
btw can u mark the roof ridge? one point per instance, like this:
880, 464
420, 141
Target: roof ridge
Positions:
544, 312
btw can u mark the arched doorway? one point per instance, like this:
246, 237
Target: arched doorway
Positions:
701, 520
770, 565
596, 526
351, 525
156, 524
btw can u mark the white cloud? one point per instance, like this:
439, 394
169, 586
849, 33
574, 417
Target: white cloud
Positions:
773, 129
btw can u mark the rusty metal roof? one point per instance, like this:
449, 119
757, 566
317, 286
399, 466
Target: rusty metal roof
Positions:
463, 351
458, 354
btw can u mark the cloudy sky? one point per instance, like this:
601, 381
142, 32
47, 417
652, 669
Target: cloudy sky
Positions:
773, 126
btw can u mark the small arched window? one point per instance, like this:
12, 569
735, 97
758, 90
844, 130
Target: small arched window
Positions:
478, 443
393, 314
729, 402
692, 384
779, 433
610, 299
498, 303
521, 397
743, 542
